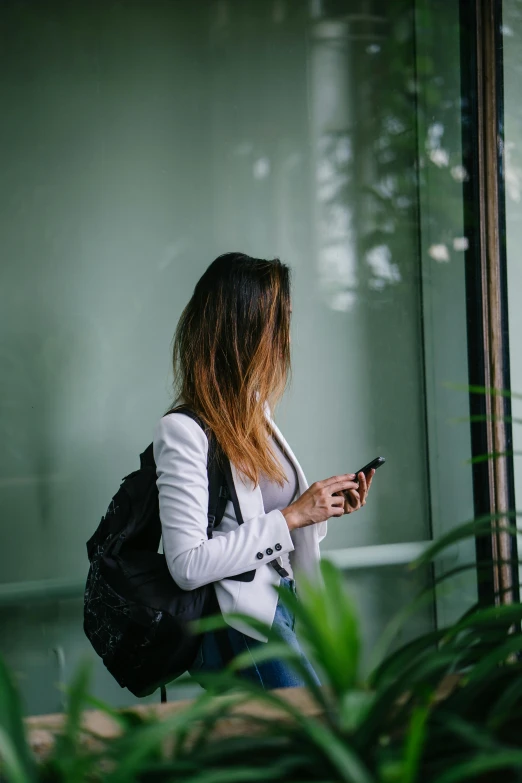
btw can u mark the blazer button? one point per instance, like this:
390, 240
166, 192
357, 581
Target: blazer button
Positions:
259, 555
278, 548
270, 551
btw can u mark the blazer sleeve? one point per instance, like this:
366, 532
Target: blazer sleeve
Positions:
180, 451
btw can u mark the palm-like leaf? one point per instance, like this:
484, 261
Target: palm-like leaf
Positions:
16, 758
328, 625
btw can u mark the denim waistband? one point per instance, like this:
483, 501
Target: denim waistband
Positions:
286, 581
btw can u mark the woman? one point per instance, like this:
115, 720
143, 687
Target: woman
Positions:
231, 362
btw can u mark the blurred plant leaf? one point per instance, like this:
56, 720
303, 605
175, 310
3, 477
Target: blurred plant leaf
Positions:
505, 703
482, 390
133, 751
477, 528
498, 655
349, 767
479, 618
381, 647
11, 763
353, 709
242, 774
390, 667
471, 733
414, 744
328, 624
121, 717
70, 758
492, 455
280, 650
472, 770
217, 622
14, 749
484, 417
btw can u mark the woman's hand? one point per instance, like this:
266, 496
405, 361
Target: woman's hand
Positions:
322, 500
332, 497
355, 498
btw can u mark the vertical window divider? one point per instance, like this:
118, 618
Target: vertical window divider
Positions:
486, 283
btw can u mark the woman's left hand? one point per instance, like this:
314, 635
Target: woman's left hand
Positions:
354, 499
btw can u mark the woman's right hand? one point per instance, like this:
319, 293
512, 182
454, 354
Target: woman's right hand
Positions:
319, 502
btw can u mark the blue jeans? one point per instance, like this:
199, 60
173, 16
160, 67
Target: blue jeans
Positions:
269, 674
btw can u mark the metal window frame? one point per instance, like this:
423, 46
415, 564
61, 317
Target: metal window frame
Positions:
486, 285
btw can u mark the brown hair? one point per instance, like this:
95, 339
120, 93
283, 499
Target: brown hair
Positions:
231, 356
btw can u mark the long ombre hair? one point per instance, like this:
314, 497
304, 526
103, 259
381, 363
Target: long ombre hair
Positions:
231, 356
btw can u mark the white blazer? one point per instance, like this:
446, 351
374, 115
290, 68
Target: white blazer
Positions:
180, 451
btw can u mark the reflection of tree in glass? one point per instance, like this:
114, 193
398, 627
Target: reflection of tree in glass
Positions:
403, 132
511, 29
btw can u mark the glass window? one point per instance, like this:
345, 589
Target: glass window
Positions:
141, 140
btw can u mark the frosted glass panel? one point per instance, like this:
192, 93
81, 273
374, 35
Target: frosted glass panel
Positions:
142, 139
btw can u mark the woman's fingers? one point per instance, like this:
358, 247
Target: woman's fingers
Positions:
345, 493
363, 488
337, 505
329, 482
367, 485
342, 485
353, 501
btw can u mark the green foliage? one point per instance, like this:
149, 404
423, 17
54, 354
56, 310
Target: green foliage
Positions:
15, 754
394, 726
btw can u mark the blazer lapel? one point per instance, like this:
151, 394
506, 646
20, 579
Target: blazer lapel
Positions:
306, 554
303, 483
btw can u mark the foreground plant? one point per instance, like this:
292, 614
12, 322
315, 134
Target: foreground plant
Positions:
444, 707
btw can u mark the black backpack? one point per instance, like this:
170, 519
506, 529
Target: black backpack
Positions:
135, 615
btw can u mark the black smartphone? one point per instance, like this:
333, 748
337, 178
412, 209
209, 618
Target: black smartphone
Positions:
375, 463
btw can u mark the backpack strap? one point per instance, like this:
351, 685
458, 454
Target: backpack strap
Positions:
217, 484
217, 488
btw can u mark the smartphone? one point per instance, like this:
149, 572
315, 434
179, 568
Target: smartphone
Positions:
374, 464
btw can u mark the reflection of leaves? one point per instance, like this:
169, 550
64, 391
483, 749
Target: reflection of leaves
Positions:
396, 92
511, 26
